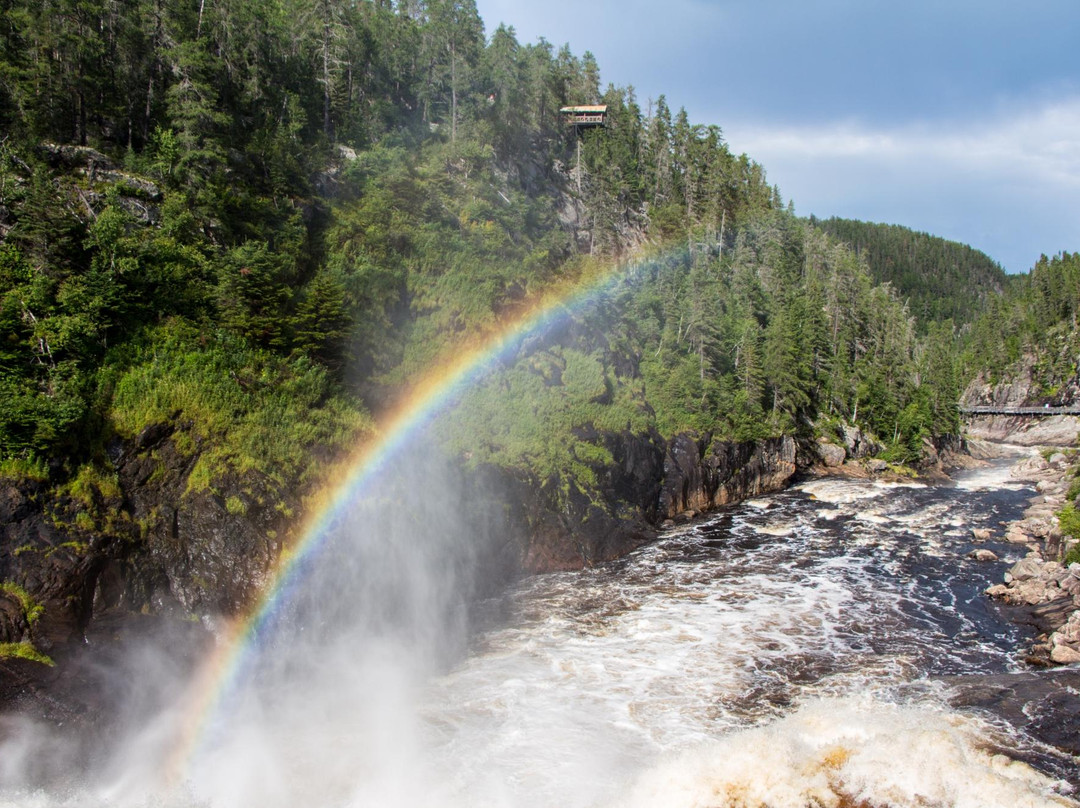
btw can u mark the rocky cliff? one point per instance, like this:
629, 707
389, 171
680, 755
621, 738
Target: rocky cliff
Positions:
144, 544
1022, 386
154, 548
650, 482
701, 474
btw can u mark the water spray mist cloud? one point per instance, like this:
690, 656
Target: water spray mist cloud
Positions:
222, 675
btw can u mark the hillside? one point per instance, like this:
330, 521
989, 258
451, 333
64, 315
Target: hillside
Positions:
210, 294
1025, 349
940, 279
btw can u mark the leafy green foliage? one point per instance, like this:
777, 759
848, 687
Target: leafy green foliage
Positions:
1036, 320
941, 280
255, 222
1069, 521
252, 410
781, 332
534, 416
24, 650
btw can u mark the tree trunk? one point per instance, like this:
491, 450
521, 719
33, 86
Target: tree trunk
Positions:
326, 80
453, 94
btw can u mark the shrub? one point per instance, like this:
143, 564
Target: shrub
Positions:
1069, 521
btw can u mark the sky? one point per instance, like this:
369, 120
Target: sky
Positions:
957, 117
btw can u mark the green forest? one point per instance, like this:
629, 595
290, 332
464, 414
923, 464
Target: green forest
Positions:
263, 222
940, 280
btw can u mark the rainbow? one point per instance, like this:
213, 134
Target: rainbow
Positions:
238, 642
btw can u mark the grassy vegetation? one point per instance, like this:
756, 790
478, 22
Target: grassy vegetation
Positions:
1074, 487
244, 409
14, 469
24, 650
91, 482
32, 610
235, 506
1069, 521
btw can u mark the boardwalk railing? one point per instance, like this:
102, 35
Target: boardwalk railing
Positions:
1024, 411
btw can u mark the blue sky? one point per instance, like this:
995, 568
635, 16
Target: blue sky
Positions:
955, 117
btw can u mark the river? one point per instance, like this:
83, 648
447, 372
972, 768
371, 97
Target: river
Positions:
791, 651
776, 653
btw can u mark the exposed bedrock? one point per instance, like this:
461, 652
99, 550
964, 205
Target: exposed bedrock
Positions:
157, 547
1056, 430
701, 474
1047, 589
153, 546
564, 525
1021, 388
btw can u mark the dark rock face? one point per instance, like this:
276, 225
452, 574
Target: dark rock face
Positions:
172, 552
1044, 703
50, 559
157, 555
561, 527
556, 525
161, 549
196, 552
701, 474
206, 551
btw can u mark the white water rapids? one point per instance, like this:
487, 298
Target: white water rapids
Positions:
763, 657
781, 653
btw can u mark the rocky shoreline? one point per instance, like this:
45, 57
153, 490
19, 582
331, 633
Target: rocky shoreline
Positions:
1047, 590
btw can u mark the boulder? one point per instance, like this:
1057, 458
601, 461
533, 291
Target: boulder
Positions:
1068, 634
1035, 527
1024, 570
1033, 592
831, 454
983, 555
1064, 655
876, 465
858, 444
1016, 536
981, 533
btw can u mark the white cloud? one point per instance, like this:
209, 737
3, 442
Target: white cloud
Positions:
1041, 144
1008, 183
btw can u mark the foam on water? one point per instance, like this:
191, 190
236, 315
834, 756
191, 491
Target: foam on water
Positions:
843, 491
995, 475
764, 657
756, 669
846, 752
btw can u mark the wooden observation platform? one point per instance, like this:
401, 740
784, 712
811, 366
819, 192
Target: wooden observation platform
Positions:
591, 115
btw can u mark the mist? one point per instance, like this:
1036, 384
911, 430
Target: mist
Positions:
320, 708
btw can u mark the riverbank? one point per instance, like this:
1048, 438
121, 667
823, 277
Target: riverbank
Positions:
1047, 590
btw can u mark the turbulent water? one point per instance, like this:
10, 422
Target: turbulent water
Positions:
764, 657
787, 652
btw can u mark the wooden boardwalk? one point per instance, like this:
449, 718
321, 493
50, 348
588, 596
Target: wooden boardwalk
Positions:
1026, 412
